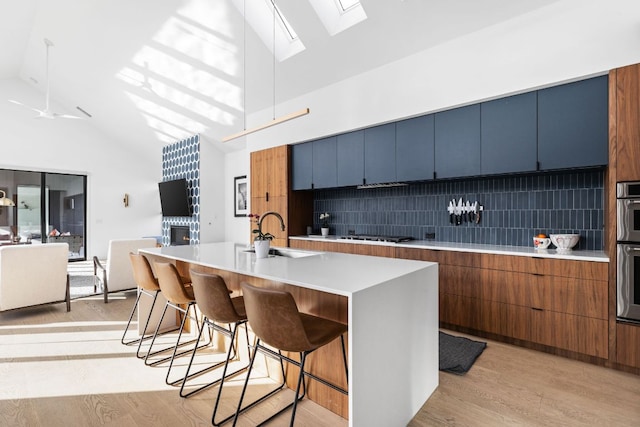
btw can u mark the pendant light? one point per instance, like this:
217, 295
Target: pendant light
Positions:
274, 121
4, 201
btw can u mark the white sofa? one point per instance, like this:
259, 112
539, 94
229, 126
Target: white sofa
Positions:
117, 274
33, 275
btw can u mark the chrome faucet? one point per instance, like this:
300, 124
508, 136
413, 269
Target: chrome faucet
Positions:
266, 214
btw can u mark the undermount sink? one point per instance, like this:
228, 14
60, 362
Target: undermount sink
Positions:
287, 253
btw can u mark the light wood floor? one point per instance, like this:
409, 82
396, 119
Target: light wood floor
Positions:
69, 369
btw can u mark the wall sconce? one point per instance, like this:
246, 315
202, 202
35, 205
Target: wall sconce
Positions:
126, 200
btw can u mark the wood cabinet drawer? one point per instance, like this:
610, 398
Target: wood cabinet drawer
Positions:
462, 281
359, 249
552, 267
505, 319
459, 310
572, 296
585, 335
468, 259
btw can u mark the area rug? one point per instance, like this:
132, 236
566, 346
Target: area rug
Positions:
81, 278
457, 354
81, 286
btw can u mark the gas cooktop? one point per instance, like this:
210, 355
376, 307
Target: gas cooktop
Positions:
376, 238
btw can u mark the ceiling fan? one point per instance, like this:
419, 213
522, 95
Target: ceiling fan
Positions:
46, 113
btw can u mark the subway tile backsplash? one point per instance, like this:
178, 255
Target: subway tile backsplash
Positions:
515, 209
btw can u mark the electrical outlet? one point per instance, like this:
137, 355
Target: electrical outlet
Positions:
430, 236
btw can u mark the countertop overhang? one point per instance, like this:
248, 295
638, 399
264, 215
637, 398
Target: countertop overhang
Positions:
333, 272
578, 255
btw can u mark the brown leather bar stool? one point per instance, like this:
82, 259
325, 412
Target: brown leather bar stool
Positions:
276, 321
180, 297
148, 286
218, 307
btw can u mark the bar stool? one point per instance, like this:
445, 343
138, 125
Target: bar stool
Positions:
217, 306
276, 321
148, 286
180, 297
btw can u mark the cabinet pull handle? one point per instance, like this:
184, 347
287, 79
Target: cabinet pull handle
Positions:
537, 309
538, 274
266, 196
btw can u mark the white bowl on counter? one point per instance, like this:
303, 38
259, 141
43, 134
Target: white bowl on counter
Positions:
564, 242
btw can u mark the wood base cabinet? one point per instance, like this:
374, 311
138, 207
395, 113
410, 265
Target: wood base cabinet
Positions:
628, 344
561, 304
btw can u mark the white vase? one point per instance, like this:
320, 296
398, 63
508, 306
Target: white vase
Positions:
324, 231
262, 248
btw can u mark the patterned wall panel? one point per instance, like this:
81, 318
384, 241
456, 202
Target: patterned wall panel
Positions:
182, 160
516, 208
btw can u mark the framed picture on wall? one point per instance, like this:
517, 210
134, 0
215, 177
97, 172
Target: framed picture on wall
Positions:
240, 196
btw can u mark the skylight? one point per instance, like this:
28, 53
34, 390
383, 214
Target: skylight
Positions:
259, 16
338, 15
348, 4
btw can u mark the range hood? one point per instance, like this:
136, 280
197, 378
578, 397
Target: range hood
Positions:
382, 185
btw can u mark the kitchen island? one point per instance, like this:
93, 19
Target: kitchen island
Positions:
390, 306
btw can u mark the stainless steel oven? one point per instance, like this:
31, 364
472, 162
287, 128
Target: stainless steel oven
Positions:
628, 211
628, 299
628, 250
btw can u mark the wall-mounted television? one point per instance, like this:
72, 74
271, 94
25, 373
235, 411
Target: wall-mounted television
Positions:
174, 199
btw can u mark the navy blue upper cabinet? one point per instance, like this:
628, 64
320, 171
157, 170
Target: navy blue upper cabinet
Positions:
509, 134
350, 158
325, 173
414, 149
457, 142
301, 166
573, 129
380, 154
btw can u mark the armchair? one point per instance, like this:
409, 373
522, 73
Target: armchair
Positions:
33, 275
117, 274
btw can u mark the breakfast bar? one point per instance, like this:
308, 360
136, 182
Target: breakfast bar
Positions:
390, 306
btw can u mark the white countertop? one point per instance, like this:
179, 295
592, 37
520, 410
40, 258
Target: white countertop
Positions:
579, 255
336, 273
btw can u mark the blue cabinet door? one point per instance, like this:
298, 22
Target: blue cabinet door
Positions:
325, 173
414, 149
508, 141
457, 142
350, 148
301, 166
380, 154
573, 129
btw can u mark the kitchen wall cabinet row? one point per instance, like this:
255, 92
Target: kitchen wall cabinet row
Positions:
562, 304
560, 127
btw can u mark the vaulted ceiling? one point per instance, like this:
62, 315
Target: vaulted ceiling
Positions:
162, 70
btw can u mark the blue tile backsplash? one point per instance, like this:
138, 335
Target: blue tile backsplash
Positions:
515, 209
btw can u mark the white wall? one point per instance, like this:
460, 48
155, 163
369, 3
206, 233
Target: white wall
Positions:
237, 228
74, 146
464, 71
212, 186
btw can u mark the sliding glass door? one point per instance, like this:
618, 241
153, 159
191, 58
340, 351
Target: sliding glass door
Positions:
65, 214
49, 207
